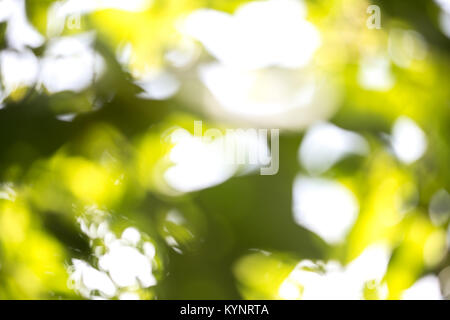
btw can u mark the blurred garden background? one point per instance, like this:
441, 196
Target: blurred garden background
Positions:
100, 200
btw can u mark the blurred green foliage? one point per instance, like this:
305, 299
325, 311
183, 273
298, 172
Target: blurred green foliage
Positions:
237, 239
